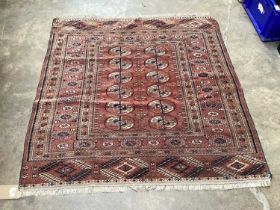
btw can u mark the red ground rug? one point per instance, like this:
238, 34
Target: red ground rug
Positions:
140, 103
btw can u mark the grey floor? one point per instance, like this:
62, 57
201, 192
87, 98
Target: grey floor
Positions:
24, 33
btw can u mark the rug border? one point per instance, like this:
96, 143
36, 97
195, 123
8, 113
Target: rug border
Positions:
241, 95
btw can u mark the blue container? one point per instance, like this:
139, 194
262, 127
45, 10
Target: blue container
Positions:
265, 15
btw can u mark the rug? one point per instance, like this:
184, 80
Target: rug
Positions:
140, 104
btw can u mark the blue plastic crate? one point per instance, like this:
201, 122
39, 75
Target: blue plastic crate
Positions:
265, 15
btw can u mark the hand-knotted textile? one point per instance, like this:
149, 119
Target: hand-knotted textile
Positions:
140, 101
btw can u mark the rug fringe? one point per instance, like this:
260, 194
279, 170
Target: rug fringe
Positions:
182, 186
165, 16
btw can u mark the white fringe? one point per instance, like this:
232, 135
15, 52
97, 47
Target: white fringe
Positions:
165, 16
178, 186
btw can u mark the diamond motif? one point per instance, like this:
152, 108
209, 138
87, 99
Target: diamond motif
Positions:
125, 168
237, 165
181, 167
65, 170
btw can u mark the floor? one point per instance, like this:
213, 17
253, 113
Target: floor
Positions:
24, 33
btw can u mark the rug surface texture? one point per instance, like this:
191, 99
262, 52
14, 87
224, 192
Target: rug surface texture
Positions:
140, 101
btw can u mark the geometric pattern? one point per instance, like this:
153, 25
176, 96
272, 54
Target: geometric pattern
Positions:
139, 100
